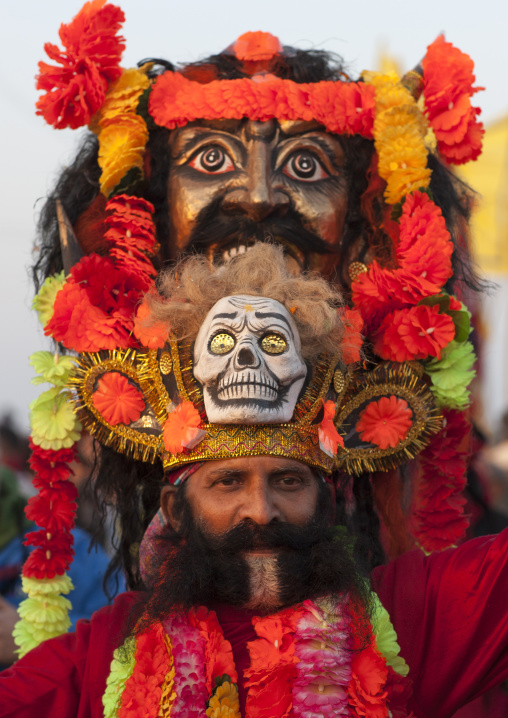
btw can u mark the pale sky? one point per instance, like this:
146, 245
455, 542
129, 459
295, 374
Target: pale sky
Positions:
32, 152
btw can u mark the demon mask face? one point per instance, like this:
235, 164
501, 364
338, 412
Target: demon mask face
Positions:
248, 361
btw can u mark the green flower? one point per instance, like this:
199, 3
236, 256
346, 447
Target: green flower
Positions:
452, 374
44, 301
45, 586
122, 667
386, 638
53, 368
28, 635
54, 424
52, 611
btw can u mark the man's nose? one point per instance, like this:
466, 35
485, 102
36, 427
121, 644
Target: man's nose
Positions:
259, 507
258, 197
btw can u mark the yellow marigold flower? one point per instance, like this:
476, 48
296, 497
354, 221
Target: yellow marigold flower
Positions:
121, 98
121, 147
406, 116
224, 703
389, 91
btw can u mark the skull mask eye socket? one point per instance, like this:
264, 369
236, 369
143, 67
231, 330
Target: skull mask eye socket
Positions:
273, 343
222, 343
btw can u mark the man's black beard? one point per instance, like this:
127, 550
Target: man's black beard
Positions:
214, 227
198, 568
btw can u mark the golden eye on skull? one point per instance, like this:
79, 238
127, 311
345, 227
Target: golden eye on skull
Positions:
222, 343
273, 343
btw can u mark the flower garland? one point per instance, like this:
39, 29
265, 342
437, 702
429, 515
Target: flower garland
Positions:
406, 311
306, 661
92, 310
342, 107
55, 431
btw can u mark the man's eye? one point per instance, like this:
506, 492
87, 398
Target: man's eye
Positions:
290, 481
305, 166
212, 160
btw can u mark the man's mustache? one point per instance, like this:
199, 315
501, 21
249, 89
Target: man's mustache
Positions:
213, 227
249, 536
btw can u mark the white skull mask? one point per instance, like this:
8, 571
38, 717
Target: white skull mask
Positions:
247, 358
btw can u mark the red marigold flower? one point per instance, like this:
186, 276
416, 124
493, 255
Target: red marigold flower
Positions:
130, 227
367, 688
117, 399
89, 61
51, 465
182, 427
385, 422
352, 339
150, 334
47, 563
61, 541
95, 308
254, 46
133, 261
414, 333
53, 508
424, 247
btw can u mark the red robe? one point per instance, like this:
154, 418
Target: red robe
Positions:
450, 611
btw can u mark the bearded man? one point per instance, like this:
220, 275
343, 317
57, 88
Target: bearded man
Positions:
257, 599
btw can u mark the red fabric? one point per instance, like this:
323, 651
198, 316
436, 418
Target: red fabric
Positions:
236, 624
449, 611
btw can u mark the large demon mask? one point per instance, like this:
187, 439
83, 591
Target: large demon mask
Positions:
247, 359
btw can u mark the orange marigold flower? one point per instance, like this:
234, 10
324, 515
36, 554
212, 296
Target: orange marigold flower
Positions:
346, 108
117, 399
254, 46
182, 427
448, 87
414, 333
352, 339
329, 437
385, 422
152, 335
90, 60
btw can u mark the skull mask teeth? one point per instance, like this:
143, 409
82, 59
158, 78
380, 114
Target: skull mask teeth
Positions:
247, 359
